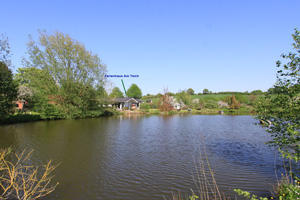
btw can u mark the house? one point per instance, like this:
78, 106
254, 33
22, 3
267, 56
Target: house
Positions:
19, 104
149, 101
126, 102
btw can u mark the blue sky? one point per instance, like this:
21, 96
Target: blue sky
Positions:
220, 45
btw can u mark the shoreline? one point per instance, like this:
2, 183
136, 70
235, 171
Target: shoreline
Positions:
22, 118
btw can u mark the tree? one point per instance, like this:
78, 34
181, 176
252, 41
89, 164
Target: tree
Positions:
257, 92
101, 92
205, 91
165, 101
5, 52
183, 96
283, 108
27, 95
8, 91
134, 91
116, 92
190, 91
234, 104
73, 73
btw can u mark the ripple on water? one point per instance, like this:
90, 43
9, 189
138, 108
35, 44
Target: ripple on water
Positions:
146, 157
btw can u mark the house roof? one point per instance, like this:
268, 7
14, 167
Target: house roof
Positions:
140, 100
127, 99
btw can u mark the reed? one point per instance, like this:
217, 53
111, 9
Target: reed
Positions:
204, 179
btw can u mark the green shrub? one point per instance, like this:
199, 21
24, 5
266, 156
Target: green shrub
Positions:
50, 111
242, 98
145, 106
210, 104
289, 191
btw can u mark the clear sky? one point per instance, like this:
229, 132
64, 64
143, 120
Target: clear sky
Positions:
220, 45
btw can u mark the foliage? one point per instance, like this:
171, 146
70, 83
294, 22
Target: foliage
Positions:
158, 95
283, 107
184, 96
235, 93
165, 103
205, 91
22, 180
50, 111
21, 118
193, 197
154, 111
8, 91
116, 93
190, 91
63, 73
26, 94
101, 92
253, 99
134, 91
248, 195
5, 52
145, 106
242, 98
172, 94
256, 92
197, 104
289, 191
210, 104
271, 90
232, 102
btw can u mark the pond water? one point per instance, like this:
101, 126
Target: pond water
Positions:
146, 157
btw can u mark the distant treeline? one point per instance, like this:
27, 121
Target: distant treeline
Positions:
254, 92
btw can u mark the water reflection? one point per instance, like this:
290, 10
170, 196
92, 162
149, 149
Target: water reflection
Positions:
145, 157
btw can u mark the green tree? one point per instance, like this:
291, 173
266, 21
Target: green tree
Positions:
211, 104
283, 108
257, 92
116, 92
8, 91
134, 91
73, 73
190, 91
183, 96
205, 91
5, 51
101, 92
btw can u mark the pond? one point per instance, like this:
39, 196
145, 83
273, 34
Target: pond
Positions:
146, 157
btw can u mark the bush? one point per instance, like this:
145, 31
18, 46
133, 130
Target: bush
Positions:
210, 104
145, 106
50, 111
8, 91
242, 98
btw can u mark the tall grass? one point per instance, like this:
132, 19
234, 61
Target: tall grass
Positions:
204, 179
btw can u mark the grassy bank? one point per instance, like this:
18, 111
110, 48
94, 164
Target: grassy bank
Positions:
35, 116
22, 118
186, 112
